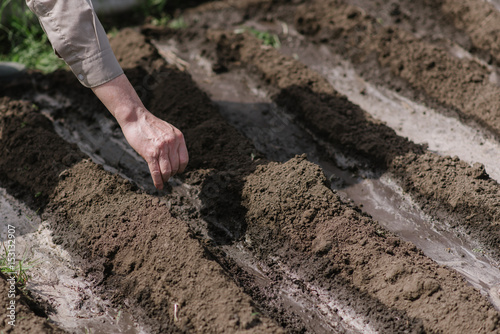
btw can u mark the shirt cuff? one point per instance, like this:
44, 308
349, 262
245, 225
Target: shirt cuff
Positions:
97, 69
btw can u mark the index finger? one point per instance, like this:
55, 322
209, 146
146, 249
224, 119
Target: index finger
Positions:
154, 168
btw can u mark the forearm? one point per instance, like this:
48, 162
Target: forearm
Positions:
120, 99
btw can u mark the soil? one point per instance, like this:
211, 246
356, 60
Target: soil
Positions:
29, 317
338, 121
479, 22
460, 83
293, 213
181, 272
240, 243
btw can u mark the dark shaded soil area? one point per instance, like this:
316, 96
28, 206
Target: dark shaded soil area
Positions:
308, 95
23, 163
470, 24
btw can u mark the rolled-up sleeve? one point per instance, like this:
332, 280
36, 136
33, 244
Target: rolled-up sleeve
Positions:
78, 37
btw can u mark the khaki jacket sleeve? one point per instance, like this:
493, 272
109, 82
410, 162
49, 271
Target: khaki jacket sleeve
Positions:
78, 37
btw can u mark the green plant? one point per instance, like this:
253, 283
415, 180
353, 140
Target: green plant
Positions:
266, 37
162, 21
28, 43
118, 316
19, 269
154, 8
113, 32
178, 23
166, 20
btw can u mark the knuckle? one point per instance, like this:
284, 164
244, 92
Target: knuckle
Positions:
152, 162
155, 173
167, 140
179, 135
151, 154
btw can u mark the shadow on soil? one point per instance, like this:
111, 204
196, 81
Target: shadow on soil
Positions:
346, 126
32, 155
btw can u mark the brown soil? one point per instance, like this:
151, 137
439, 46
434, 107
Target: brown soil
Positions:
470, 24
460, 83
309, 96
149, 252
120, 232
478, 19
446, 187
333, 118
30, 318
115, 229
292, 213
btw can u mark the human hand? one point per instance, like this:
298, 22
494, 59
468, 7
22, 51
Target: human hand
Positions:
161, 144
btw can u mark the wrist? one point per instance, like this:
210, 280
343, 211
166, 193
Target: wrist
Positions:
121, 100
128, 114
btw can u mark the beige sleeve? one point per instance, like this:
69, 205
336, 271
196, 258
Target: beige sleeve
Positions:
78, 37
